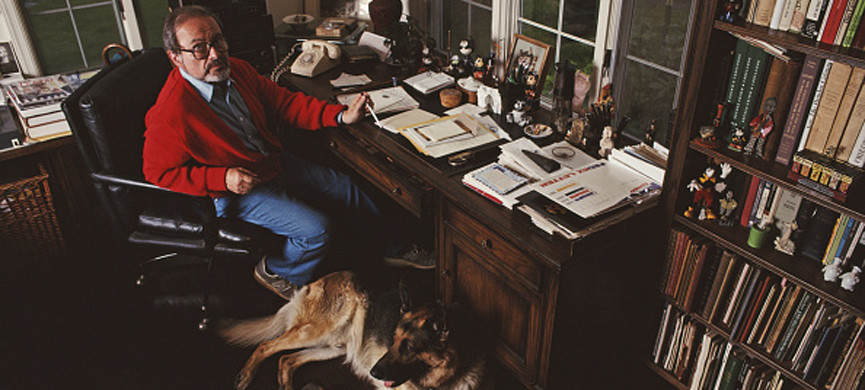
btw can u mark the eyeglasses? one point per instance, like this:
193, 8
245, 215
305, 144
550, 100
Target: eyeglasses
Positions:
202, 49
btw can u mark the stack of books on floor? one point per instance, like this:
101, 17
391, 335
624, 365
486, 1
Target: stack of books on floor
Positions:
560, 188
36, 102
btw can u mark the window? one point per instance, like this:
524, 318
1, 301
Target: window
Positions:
570, 26
649, 63
68, 35
466, 18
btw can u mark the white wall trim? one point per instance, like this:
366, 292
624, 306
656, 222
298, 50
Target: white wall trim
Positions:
20, 35
130, 25
504, 24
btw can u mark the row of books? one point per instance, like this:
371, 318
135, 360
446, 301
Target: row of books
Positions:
833, 22
703, 358
783, 322
817, 108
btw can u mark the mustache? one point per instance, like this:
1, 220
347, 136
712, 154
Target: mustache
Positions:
217, 62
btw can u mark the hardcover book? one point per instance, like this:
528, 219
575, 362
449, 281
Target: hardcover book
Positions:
814, 18
830, 100
852, 128
780, 85
845, 108
815, 102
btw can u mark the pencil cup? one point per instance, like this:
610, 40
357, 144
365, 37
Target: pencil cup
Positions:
757, 237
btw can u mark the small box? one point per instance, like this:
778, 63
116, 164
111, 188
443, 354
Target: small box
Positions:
335, 27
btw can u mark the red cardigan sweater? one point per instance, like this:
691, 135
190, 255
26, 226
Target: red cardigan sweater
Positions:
188, 148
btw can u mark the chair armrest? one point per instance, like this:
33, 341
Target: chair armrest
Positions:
205, 203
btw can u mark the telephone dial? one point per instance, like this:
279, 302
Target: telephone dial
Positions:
315, 58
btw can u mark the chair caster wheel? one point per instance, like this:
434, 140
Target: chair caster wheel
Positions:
204, 324
141, 281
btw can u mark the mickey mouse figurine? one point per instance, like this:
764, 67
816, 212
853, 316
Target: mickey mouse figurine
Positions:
704, 188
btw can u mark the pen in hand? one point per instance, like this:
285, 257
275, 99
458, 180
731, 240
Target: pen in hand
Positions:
374, 116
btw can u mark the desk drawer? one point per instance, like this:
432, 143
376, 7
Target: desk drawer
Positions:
509, 259
381, 170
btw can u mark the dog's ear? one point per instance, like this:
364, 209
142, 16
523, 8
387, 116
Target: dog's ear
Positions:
404, 297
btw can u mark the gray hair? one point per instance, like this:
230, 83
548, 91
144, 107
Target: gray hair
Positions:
178, 16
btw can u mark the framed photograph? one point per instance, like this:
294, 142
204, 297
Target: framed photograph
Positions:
527, 64
8, 64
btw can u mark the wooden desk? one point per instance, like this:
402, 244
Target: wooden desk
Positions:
560, 312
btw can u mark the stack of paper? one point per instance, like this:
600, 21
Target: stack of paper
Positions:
393, 99
429, 81
447, 135
497, 183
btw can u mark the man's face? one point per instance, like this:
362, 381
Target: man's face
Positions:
198, 30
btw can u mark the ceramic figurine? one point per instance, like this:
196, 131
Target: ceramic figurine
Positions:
518, 114
760, 128
704, 189
726, 206
832, 271
479, 68
731, 10
784, 243
606, 143
707, 138
737, 142
649, 136
851, 278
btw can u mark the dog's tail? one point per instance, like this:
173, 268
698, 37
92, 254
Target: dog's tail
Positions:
246, 333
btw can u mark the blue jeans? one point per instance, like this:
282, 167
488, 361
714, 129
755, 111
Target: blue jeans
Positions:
302, 204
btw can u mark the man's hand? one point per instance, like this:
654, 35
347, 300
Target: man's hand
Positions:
357, 109
240, 180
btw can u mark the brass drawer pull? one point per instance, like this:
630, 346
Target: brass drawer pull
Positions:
486, 244
333, 145
396, 191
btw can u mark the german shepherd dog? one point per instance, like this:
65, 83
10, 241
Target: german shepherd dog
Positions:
383, 339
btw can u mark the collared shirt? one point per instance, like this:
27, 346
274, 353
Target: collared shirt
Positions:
231, 108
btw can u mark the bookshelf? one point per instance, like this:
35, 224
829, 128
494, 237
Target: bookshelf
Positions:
710, 40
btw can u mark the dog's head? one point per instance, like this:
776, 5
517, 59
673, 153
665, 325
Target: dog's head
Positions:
420, 351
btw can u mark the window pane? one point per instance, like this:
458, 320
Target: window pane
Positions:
658, 31
580, 18
488, 3
545, 12
578, 54
33, 7
481, 28
648, 94
98, 28
54, 41
550, 39
76, 3
151, 14
455, 13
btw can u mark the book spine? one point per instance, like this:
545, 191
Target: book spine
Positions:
845, 107
777, 13
798, 16
859, 37
764, 11
734, 86
833, 20
846, 18
851, 128
854, 24
798, 109
736, 121
857, 155
814, 18
754, 84
787, 15
815, 103
830, 101
749, 200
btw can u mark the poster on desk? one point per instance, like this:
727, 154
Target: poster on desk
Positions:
595, 188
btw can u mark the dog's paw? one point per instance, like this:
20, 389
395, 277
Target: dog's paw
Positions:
242, 380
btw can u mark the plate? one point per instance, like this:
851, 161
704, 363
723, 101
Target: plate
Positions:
537, 130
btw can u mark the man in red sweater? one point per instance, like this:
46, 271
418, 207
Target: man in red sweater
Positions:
210, 133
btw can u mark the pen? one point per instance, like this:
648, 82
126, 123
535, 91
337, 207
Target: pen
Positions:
374, 116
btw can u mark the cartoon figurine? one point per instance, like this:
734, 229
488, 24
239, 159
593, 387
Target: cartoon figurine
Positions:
531, 80
760, 127
833, 270
784, 243
731, 8
850, 278
707, 138
479, 69
726, 206
466, 49
737, 142
518, 115
606, 143
704, 189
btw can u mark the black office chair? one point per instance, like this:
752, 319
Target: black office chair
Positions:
106, 115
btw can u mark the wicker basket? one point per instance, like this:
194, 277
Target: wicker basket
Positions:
28, 223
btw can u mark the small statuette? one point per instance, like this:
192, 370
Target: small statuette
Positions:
850, 278
832, 271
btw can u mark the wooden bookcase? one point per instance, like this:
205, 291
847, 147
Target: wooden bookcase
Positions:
688, 159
